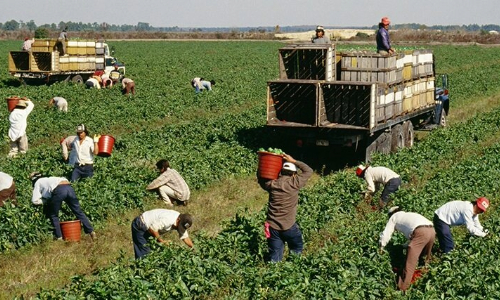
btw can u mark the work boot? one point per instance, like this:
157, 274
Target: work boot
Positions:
93, 236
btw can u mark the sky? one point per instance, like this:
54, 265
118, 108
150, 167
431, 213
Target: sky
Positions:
253, 13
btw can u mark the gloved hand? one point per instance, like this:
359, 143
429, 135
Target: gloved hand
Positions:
368, 196
486, 231
96, 138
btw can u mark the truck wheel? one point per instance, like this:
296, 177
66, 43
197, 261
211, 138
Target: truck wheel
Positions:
397, 141
384, 142
77, 79
408, 133
442, 120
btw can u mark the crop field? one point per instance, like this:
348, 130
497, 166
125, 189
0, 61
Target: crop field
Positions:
214, 136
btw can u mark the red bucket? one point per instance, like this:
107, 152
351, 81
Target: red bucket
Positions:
71, 230
12, 102
270, 165
106, 143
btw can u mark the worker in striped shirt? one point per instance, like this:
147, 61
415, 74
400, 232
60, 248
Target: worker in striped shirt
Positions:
170, 185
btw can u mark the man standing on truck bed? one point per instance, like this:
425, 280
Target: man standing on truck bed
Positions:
281, 226
383, 40
320, 37
63, 37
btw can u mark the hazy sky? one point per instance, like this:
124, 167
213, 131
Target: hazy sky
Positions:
253, 13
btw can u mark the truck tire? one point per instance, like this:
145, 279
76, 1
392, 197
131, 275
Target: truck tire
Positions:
384, 142
397, 139
408, 133
77, 79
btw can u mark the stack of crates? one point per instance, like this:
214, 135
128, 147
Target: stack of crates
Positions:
367, 66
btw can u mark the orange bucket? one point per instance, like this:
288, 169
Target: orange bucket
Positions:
270, 165
106, 143
71, 230
12, 102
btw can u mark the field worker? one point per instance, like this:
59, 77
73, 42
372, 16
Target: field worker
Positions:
106, 81
320, 37
63, 37
420, 234
7, 189
199, 84
281, 226
66, 146
115, 75
18, 119
128, 86
383, 40
27, 44
60, 103
82, 153
170, 185
92, 82
153, 222
375, 176
456, 213
52, 191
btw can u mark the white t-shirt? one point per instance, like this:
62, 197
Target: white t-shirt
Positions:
19, 121
162, 220
43, 188
457, 212
82, 154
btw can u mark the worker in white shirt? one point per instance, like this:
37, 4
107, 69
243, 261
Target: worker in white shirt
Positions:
66, 146
52, 191
7, 189
154, 222
18, 119
82, 153
455, 213
420, 234
60, 103
376, 176
93, 82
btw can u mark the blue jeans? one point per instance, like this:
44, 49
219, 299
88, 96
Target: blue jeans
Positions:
276, 243
66, 193
82, 172
391, 187
140, 236
443, 233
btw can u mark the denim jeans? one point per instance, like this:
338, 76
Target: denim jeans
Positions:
82, 172
140, 236
443, 233
66, 193
391, 187
276, 243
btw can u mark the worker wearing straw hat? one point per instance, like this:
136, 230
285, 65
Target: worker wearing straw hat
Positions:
18, 119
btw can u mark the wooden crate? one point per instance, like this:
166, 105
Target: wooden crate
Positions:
407, 103
308, 62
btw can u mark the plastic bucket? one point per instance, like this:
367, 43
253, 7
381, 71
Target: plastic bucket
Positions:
270, 165
71, 230
106, 143
12, 102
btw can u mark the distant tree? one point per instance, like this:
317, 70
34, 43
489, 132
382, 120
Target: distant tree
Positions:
11, 25
31, 25
142, 26
42, 33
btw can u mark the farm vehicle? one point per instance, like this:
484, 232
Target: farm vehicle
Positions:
358, 100
45, 62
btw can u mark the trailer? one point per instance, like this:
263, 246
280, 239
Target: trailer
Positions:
360, 100
45, 61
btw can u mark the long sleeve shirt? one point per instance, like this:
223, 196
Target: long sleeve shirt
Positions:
66, 146
455, 213
162, 220
174, 180
82, 153
18, 119
284, 197
404, 222
378, 175
5, 181
43, 188
383, 40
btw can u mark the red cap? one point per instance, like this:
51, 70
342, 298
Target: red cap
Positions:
385, 21
62, 140
483, 203
360, 170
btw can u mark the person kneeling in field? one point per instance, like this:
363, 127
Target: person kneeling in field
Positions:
420, 234
60, 103
199, 84
153, 222
456, 213
170, 185
374, 176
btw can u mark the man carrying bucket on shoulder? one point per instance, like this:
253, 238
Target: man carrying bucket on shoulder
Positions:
18, 119
280, 226
52, 191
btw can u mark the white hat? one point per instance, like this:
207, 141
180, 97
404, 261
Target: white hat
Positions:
393, 210
290, 167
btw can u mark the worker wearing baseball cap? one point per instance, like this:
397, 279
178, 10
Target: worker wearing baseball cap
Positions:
420, 234
383, 40
280, 225
375, 176
321, 37
455, 213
